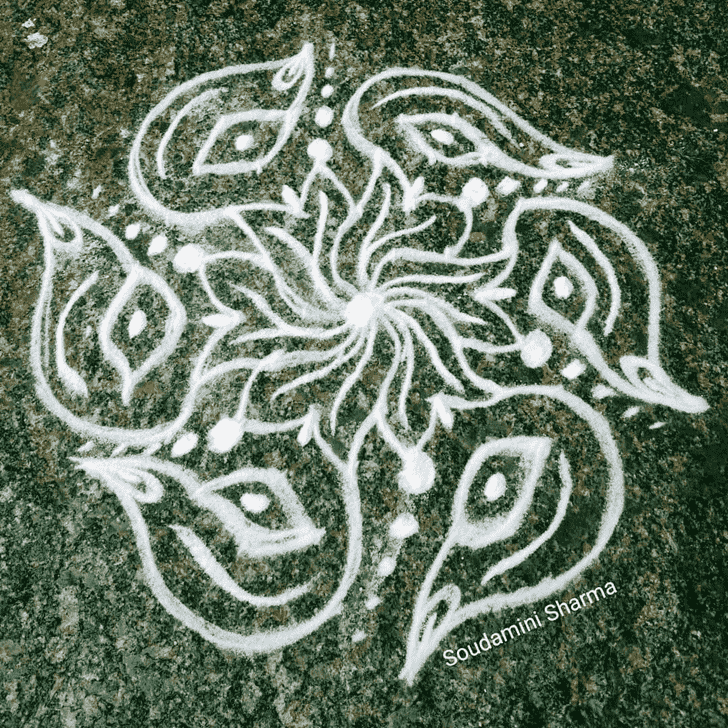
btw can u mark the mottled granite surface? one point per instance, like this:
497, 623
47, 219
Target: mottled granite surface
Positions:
82, 640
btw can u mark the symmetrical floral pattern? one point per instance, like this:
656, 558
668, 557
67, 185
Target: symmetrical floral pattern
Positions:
324, 311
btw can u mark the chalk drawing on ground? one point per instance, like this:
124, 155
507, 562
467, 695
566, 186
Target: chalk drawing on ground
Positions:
319, 311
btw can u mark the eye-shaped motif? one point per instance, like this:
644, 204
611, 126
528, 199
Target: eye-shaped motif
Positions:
445, 138
244, 116
456, 123
599, 287
124, 329
234, 507
514, 496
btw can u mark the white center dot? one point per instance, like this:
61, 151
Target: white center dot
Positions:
563, 287
327, 90
324, 116
360, 310
254, 502
495, 487
244, 141
442, 136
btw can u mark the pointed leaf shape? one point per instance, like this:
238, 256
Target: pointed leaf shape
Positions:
219, 116
478, 523
175, 323
64, 308
602, 322
469, 128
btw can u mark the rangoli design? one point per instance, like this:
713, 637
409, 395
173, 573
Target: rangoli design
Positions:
374, 301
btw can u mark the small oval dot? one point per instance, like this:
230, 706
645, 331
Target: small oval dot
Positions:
157, 245
324, 116
185, 444
254, 502
320, 150
132, 231
442, 136
386, 566
495, 487
244, 141
188, 259
563, 287
327, 90
137, 322
537, 349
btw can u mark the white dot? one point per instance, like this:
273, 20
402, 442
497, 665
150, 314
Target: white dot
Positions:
574, 369
188, 259
244, 141
358, 636
372, 603
157, 245
185, 444
540, 186
329, 72
474, 191
324, 116
96, 192
113, 210
254, 502
403, 526
320, 150
563, 187
386, 566
495, 487
563, 287
224, 435
442, 136
418, 474
359, 310
137, 322
327, 90
132, 230
537, 349
657, 425
507, 185
631, 412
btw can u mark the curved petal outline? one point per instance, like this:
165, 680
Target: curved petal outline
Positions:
261, 642
302, 63
424, 617
667, 393
482, 101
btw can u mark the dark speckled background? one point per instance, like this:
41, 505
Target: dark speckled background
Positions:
82, 640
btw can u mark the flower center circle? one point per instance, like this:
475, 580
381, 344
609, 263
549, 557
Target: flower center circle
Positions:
361, 309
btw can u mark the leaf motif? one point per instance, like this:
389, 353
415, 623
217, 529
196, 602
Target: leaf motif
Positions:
143, 482
579, 291
174, 325
480, 523
456, 123
242, 137
72, 241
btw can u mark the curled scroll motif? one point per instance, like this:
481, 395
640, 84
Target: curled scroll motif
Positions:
240, 137
464, 127
245, 567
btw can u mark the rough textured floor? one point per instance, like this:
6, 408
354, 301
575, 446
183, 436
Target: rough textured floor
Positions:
83, 642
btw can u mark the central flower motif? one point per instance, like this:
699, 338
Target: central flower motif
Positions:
362, 309
346, 306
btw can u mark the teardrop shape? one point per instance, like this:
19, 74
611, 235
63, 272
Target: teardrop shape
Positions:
233, 121
63, 340
579, 291
453, 122
174, 325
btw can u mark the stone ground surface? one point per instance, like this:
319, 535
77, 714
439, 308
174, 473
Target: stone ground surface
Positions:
82, 640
